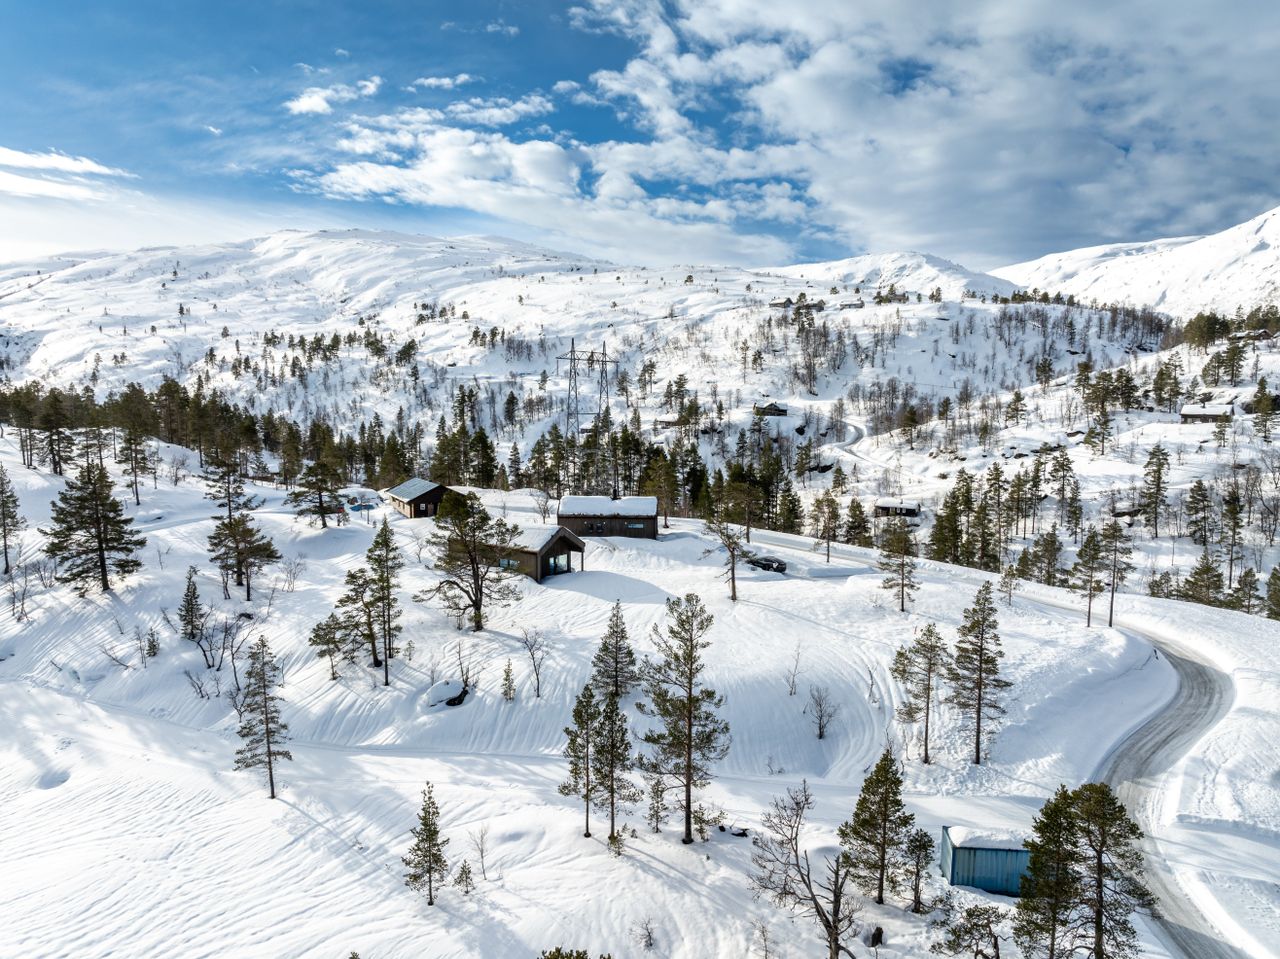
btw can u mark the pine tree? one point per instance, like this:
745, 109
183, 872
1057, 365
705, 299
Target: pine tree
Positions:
1244, 596
385, 563
1008, 583
875, 838
1232, 528
690, 736
474, 550
920, 668
355, 607
239, 546
426, 860
1263, 411
975, 671
613, 670
1155, 488
614, 762
1271, 605
1204, 583
824, 521
1048, 923
12, 521
1111, 870
1088, 571
579, 750
1116, 550
733, 541
508, 684
317, 489
330, 638
90, 536
262, 730
919, 850
463, 879
896, 552
857, 528
1199, 513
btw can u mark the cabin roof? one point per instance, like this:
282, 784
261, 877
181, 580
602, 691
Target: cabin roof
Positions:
604, 506
412, 488
1212, 409
535, 537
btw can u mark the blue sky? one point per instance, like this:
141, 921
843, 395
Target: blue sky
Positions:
745, 131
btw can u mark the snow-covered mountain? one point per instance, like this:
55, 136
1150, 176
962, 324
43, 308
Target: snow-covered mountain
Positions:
906, 271
1238, 267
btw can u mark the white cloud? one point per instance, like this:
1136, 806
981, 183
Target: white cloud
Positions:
216, 131
56, 163
442, 83
501, 26
339, 52
320, 100
499, 111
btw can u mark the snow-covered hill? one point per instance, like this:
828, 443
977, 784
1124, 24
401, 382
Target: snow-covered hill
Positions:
1238, 267
906, 271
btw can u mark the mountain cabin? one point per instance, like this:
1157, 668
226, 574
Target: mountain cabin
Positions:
634, 516
417, 497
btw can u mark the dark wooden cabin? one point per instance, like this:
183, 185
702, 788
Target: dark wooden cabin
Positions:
416, 498
634, 516
543, 551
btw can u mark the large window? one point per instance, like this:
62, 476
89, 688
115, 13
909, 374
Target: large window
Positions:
559, 563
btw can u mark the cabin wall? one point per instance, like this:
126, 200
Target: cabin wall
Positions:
636, 527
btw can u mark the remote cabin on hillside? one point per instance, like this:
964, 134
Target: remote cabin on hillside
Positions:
543, 551
769, 409
889, 506
417, 497
634, 516
1206, 412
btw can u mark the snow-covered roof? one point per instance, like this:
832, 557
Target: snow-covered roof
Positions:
535, 536
971, 838
1212, 409
890, 502
604, 506
411, 488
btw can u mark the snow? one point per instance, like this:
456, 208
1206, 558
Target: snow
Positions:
974, 838
159, 848
534, 536
605, 506
1208, 409
1182, 276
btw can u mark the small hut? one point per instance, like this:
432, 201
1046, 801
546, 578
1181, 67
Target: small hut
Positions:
542, 551
418, 497
769, 409
991, 861
890, 506
1207, 412
634, 516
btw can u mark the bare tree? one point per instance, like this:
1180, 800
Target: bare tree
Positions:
821, 709
793, 672
785, 874
536, 648
542, 503
177, 466
733, 541
480, 844
292, 569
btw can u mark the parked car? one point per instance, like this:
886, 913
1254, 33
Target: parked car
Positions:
769, 563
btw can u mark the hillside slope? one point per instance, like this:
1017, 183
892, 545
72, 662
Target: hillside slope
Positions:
1238, 267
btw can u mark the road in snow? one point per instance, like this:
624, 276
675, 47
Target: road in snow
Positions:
1141, 769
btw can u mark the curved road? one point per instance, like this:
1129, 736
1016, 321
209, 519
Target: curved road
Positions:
1138, 769
1139, 766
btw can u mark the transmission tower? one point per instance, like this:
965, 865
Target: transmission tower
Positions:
582, 363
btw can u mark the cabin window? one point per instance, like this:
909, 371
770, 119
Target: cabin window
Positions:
506, 562
559, 563
635, 526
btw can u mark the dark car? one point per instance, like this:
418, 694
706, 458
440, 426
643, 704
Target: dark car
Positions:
770, 563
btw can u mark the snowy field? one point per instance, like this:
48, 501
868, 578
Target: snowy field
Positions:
127, 833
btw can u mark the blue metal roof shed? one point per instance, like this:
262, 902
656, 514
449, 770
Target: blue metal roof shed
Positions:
993, 864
